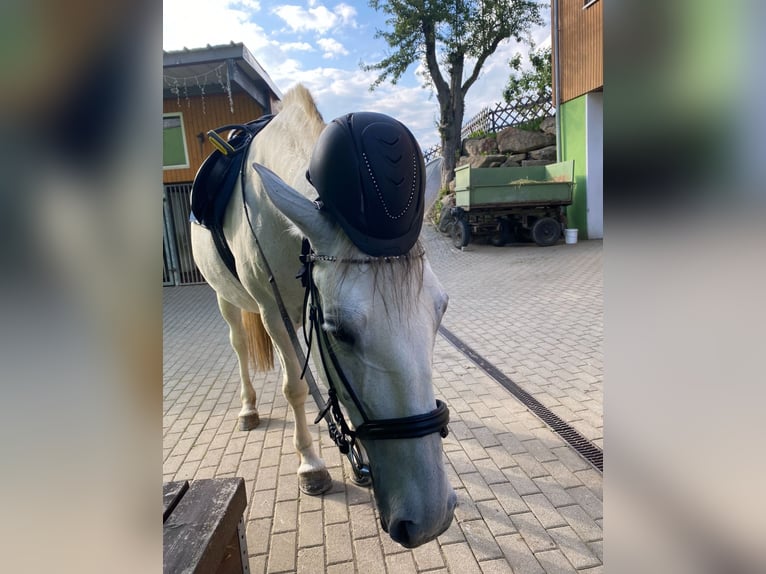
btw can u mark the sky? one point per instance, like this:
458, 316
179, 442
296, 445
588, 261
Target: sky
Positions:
321, 43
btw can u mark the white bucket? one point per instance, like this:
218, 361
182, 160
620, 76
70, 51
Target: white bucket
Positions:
570, 236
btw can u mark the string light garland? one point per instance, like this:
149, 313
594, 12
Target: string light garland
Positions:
178, 85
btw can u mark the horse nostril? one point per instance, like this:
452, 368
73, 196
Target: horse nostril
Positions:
401, 531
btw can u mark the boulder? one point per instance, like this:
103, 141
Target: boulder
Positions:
548, 152
479, 146
485, 160
514, 140
517, 157
548, 125
509, 163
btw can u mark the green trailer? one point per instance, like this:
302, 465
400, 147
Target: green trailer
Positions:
510, 203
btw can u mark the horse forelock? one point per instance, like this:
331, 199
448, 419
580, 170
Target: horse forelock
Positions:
398, 281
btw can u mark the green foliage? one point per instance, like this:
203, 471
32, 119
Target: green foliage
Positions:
481, 134
452, 39
531, 125
534, 83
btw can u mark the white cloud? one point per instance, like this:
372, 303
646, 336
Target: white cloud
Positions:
253, 5
346, 13
295, 47
212, 22
332, 48
318, 18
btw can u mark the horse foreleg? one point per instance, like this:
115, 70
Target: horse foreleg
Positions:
313, 477
248, 416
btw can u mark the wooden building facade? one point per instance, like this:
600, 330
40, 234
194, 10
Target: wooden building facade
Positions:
202, 89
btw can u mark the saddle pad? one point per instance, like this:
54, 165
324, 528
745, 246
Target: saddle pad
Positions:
215, 182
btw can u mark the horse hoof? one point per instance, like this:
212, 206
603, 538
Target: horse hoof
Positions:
315, 482
248, 422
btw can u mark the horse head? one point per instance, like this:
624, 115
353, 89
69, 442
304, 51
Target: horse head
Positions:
380, 315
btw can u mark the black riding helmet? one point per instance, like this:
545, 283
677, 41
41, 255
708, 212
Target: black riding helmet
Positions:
370, 175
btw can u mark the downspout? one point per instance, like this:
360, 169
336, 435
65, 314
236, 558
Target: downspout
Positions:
557, 75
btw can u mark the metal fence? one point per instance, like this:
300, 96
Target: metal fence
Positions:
493, 119
178, 264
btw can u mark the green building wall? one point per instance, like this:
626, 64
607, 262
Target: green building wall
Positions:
572, 140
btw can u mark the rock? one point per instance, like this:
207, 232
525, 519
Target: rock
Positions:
548, 125
485, 160
462, 160
480, 146
515, 140
496, 164
548, 152
517, 157
509, 163
531, 162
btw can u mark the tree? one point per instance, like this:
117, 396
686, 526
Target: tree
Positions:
534, 83
452, 39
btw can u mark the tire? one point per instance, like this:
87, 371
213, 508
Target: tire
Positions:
503, 234
546, 231
445, 218
461, 233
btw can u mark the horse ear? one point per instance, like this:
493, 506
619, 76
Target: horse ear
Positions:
295, 207
433, 182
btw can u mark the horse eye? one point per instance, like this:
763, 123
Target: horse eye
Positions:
344, 336
340, 333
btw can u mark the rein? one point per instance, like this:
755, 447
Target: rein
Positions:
343, 436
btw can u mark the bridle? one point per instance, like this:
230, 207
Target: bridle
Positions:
414, 426
345, 438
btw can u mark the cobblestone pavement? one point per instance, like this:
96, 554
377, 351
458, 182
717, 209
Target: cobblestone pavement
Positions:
527, 502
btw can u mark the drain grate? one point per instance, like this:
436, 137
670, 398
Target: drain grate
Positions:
583, 446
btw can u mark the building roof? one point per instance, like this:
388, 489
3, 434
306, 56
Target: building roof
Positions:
217, 69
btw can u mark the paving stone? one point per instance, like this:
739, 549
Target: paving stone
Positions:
338, 543
282, 553
310, 529
576, 551
587, 501
369, 556
311, 560
585, 527
257, 533
495, 517
285, 516
554, 562
498, 566
428, 556
544, 511
518, 554
480, 540
459, 558
403, 562
532, 531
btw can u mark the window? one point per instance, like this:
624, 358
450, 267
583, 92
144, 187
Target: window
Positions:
174, 154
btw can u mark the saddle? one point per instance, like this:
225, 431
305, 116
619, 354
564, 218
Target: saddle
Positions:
216, 179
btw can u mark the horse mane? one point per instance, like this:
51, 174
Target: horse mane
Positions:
300, 124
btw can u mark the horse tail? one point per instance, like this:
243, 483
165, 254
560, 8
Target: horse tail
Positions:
259, 344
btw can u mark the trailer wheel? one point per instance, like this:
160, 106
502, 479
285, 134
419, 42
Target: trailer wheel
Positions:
546, 231
445, 219
503, 234
461, 233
